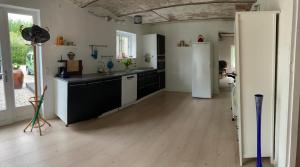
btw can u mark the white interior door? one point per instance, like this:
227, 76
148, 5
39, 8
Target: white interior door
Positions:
16, 65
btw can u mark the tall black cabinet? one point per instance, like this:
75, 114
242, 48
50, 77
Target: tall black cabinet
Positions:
161, 61
154, 46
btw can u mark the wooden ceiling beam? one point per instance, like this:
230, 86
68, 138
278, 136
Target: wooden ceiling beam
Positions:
88, 4
181, 4
189, 20
160, 15
188, 4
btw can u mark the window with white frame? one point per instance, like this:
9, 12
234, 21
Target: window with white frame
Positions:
126, 45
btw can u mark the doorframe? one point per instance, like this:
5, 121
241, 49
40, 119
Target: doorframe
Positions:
20, 113
8, 115
294, 92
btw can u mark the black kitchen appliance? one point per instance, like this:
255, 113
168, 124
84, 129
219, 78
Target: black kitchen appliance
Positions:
62, 69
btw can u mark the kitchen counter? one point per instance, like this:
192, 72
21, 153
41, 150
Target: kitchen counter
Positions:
100, 76
88, 96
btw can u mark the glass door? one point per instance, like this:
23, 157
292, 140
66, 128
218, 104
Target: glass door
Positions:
6, 114
16, 65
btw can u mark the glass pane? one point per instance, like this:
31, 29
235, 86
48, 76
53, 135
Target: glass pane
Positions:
22, 59
125, 46
118, 47
2, 93
233, 57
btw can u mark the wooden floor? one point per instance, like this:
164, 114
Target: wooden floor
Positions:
166, 130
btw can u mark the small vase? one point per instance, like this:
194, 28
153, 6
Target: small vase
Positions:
258, 102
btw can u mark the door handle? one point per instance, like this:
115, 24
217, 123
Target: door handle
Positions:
5, 76
130, 77
77, 84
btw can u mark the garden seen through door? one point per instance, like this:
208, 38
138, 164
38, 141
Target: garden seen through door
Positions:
22, 61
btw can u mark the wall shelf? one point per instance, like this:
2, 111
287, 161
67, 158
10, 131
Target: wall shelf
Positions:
101, 46
65, 45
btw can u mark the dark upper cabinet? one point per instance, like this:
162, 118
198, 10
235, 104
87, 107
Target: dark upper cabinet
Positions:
160, 44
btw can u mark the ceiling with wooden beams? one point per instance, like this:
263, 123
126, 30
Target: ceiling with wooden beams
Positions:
156, 11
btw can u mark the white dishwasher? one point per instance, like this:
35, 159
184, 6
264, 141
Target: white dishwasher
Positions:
129, 89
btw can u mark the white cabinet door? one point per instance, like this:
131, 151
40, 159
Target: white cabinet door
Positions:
150, 49
129, 89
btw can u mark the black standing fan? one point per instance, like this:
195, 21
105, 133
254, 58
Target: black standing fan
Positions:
37, 36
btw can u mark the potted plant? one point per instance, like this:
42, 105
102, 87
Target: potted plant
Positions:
127, 62
18, 76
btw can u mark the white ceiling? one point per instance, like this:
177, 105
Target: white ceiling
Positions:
155, 11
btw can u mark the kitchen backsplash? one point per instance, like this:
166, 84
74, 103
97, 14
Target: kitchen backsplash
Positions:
118, 65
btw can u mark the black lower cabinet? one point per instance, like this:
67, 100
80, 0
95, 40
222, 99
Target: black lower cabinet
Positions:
147, 83
92, 99
95, 97
78, 105
162, 79
112, 94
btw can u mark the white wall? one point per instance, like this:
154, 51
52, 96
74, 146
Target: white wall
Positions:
283, 81
179, 59
64, 18
266, 5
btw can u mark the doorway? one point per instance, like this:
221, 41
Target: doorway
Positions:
226, 57
16, 64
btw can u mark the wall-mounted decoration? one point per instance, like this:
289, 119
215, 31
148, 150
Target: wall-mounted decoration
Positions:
182, 43
94, 50
95, 53
200, 38
138, 19
147, 58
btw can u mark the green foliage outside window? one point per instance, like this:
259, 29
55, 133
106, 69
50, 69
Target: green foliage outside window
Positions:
19, 49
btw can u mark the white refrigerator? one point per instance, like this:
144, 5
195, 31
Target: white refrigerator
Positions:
202, 70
